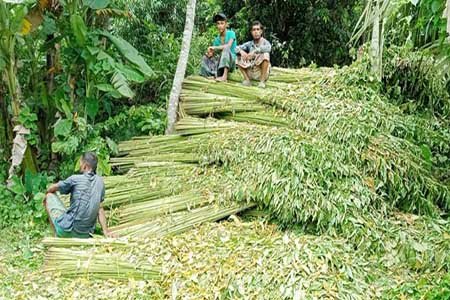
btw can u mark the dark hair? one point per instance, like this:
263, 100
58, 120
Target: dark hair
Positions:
257, 23
219, 17
90, 158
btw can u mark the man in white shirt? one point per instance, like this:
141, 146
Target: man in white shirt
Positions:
254, 57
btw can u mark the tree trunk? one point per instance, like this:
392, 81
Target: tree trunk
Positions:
375, 51
52, 67
381, 48
4, 128
447, 15
47, 113
13, 83
181, 68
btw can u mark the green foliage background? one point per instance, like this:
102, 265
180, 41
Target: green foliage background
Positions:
301, 31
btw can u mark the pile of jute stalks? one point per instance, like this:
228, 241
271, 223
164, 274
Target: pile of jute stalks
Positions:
238, 259
314, 151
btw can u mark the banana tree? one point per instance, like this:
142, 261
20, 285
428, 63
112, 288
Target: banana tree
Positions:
424, 17
105, 70
98, 66
377, 15
12, 15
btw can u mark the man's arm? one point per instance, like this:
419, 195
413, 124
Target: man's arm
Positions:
102, 221
265, 47
231, 38
64, 186
221, 47
53, 188
243, 50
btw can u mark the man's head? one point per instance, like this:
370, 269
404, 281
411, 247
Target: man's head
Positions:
88, 162
221, 22
257, 30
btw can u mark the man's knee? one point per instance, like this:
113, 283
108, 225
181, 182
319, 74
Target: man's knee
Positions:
52, 200
226, 49
206, 59
265, 69
45, 201
50, 196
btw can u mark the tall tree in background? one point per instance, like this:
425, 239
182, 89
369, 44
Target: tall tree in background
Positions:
376, 16
376, 45
447, 15
421, 24
181, 68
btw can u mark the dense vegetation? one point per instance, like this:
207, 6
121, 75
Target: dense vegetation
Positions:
301, 31
84, 75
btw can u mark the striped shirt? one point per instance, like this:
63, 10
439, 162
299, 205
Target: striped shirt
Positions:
86, 191
263, 46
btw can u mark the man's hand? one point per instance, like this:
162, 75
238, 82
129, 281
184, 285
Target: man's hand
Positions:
110, 234
244, 55
52, 189
102, 221
210, 52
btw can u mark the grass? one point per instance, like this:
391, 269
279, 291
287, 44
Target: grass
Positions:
20, 253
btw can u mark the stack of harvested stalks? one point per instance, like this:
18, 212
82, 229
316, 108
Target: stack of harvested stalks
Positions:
75, 263
313, 154
247, 260
177, 222
402, 255
307, 149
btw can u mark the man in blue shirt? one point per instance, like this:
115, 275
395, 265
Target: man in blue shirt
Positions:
218, 66
87, 192
254, 57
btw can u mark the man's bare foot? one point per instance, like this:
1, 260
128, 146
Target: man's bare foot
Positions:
221, 79
246, 83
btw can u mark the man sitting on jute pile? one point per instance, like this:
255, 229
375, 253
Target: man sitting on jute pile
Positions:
254, 57
87, 192
220, 59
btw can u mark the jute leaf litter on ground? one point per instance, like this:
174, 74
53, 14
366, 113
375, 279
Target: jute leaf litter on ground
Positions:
358, 189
